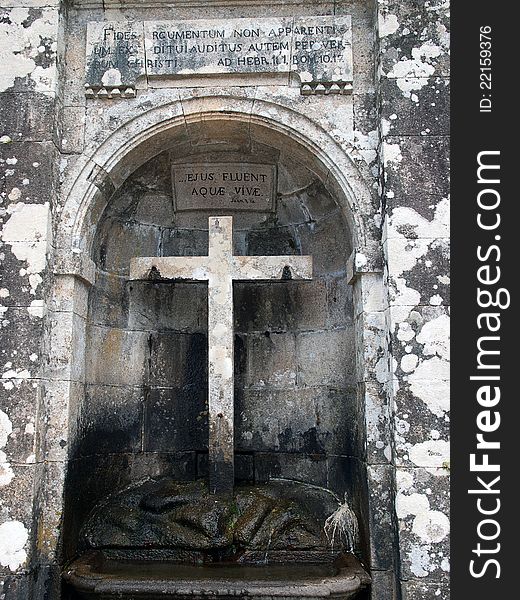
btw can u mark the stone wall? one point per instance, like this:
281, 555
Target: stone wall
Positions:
145, 399
414, 107
380, 153
29, 159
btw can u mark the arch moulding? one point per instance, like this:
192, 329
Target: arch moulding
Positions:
105, 164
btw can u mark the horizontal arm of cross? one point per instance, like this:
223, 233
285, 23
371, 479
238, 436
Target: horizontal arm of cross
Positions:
272, 267
194, 268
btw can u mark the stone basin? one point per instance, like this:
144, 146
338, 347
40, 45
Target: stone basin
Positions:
98, 576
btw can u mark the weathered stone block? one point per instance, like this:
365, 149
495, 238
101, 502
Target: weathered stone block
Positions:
371, 344
27, 117
31, 50
70, 295
368, 293
16, 505
176, 419
383, 585
422, 506
176, 360
414, 589
289, 208
155, 208
89, 479
381, 516
418, 271
282, 306
177, 306
422, 438
271, 360
20, 353
110, 420
185, 242
115, 356
430, 275
70, 129
339, 302
26, 167
279, 241
415, 172
327, 243
61, 403
177, 465
14, 586
301, 420
109, 301
325, 358
18, 287
425, 112
123, 241
65, 346
342, 475
244, 467
19, 405
298, 467
404, 54
373, 398
365, 118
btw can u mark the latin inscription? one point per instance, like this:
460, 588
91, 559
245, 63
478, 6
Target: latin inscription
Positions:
233, 186
319, 49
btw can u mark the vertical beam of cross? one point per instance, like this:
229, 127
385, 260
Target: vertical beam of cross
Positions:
220, 268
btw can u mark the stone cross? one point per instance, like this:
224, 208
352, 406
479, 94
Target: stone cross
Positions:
220, 268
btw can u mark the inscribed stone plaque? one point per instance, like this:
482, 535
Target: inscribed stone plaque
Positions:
317, 49
229, 186
115, 57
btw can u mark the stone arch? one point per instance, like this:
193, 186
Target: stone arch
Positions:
143, 133
104, 165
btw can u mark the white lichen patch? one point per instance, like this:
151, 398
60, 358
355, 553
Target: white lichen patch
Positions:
431, 526
13, 377
435, 336
404, 253
427, 525
405, 332
391, 153
438, 227
365, 146
409, 362
27, 231
13, 538
20, 48
111, 77
36, 308
430, 383
6, 428
435, 300
388, 24
412, 74
431, 454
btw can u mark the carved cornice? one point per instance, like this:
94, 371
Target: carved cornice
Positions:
318, 88
326, 5
110, 92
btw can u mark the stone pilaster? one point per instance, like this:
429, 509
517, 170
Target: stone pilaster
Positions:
28, 91
413, 46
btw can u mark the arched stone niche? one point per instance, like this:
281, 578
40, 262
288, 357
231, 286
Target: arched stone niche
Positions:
137, 357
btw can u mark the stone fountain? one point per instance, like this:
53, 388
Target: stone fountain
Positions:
160, 538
